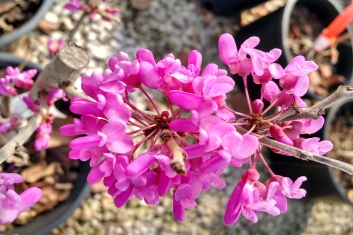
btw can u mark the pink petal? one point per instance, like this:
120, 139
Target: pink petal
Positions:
123, 145
123, 197
183, 191
183, 125
216, 162
188, 203
95, 175
324, 147
29, 197
145, 55
140, 165
185, 100
227, 48
276, 70
247, 147
149, 76
178, 211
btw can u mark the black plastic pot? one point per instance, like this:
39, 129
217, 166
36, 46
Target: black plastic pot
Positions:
229, 7
50, 220
273, 31
28, 26
321, 183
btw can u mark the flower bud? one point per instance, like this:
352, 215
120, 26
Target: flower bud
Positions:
257, 106
277, 133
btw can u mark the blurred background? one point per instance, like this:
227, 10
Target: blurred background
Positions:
173, 26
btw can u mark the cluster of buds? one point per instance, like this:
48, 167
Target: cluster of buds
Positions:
186, 147
93, 8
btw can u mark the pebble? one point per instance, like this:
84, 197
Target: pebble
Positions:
51, 17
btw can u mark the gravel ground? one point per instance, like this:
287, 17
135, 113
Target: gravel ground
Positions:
176, 26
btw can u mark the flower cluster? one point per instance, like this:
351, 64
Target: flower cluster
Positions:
12, 204
9, 86
186, 146
76, 5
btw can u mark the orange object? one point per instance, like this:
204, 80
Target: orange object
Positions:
340, 23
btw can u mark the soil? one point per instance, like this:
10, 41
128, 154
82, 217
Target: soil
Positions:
341, 135
13, 14
50, 170
305, 27
54, 174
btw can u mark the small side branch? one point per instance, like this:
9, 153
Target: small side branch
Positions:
71, 92
301, 154
179, 155
22, 136
318, 109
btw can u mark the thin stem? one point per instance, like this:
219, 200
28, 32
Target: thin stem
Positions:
134, 124
77, 26
247, 93
156, 139
237, 113
177, 114
266, 165
251, 129
182, 141
275, 116
22, 136
142, 114
192, 135
133, 137
170, 107
143, 140
141, 129
270, 106
149, 98
318, 109
240, 123
301, 154
138, 120
179, 155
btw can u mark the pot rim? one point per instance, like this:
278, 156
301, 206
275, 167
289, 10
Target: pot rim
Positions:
28, 26
51, 219
328, 124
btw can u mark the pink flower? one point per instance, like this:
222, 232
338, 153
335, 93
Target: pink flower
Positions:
22, 80
53, 46
293, 190
183, 198
75, 5
54, 95
5, 87
12, 204
43, 136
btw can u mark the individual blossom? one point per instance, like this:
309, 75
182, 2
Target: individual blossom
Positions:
11, 203
43, 135
54, 46
248, 200
23, 79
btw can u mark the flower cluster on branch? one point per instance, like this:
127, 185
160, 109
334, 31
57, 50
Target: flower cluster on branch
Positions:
186, 147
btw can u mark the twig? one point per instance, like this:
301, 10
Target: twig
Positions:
72, 92
301, 154
63, 70
77, 26
315, 111
179, 155
110, 16
22, 136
